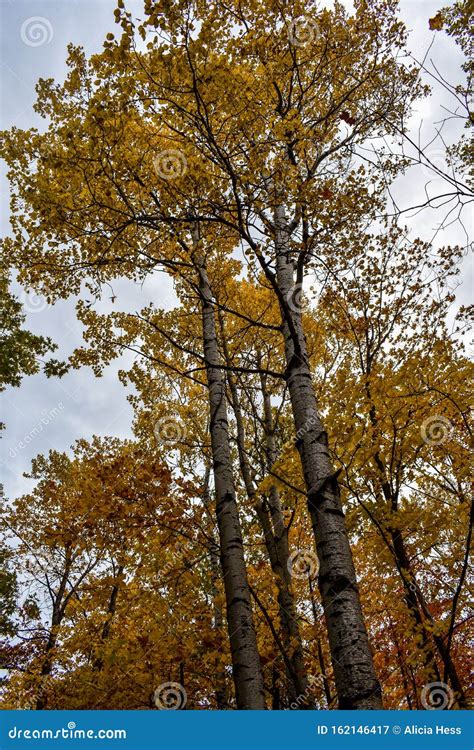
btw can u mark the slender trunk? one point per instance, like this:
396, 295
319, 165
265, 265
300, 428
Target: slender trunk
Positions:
356, 683
243, 642
111, 608
282, 566
222, 701
414, 599
276, 698
419, 609
404, 567
322, 664
275, 536
56, 619
401, 664
46, 669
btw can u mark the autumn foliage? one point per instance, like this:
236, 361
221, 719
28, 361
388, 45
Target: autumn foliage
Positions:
290, 526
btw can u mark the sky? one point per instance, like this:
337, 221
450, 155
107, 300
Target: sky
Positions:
50, 414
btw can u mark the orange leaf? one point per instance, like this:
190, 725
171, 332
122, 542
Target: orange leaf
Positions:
437, 22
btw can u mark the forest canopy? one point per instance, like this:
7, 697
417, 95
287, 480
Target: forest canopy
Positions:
289, 526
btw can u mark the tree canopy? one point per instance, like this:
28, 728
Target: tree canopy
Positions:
290, 526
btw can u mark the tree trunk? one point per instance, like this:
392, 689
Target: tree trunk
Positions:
275, 536
56, 620
243, 642
356, 683
322, 665
413, 595
220, 692
98, 663
281, 565
414, 599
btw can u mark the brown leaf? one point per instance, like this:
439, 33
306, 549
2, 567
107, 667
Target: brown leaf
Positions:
347, 117
327, 193
437, 22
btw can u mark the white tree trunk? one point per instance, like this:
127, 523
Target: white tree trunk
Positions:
243, 643
356, 683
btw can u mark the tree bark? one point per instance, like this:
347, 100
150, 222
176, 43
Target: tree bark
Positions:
275, 536
356, 683
281, 564
220, 692
243, 642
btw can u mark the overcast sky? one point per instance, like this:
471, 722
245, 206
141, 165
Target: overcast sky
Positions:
51, 414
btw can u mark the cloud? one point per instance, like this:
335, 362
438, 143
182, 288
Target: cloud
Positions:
51, 414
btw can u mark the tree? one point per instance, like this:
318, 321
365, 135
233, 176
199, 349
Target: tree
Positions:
231, 142
8, 592
397, 365
20, 349
75, 523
